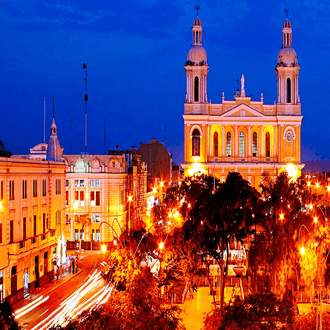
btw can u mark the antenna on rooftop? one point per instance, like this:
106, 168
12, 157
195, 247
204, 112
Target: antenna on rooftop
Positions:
44, 119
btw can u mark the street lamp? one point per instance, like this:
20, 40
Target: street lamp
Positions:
61, 241
113, 230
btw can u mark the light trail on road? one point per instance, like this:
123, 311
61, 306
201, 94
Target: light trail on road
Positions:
82, 299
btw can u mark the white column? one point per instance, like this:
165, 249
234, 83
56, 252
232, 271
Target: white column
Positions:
223, 141
262, 141
236, 142
275, 129
249, 138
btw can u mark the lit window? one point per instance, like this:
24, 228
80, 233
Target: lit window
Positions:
228, 145
93, 218
195, 142
241, 144
98, 183
92, 183
76, 183
97, 235
76, 235
216, 144
254, 144
267, 144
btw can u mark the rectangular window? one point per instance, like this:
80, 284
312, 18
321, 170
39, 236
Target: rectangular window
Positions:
82, 198
76, 235
76, 195
92, 183
0, 233
66, 198
35, 188
97, 235
67, 183
24, 189
92, 198
97, 198
11, 233
11, 190
67, 220
93, 235
44, 193
76, 183
58, 187
93, 218
1, 191
24, 229
44, 222
98, 183
34, 225
81, 234
82, 183
97, 218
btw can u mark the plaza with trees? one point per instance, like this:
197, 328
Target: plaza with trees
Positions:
282, 229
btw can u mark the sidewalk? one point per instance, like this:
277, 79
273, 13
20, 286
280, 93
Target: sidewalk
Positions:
195, 309
45, 290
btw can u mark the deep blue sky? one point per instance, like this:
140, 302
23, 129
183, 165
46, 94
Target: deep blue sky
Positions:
135, 52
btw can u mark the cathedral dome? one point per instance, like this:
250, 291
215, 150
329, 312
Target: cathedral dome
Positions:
287, 56
197, 54
197, 22
287, 24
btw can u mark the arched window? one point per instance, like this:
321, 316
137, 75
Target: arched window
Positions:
241, 144
254, 144
216, 144
196, 90
228, 145
196, 142
288, 90
267, 144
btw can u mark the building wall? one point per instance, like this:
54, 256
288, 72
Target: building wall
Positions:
98, 185
23, 207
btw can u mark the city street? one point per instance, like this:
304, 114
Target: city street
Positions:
59, 302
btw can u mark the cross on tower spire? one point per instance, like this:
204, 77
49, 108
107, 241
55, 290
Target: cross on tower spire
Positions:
197, 9
286, 12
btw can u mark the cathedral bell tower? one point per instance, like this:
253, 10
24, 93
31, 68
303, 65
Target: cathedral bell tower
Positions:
287, 75
196, 67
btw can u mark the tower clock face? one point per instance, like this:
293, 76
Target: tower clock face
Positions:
289, 136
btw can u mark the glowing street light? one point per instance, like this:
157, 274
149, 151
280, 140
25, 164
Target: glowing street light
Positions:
302, 250
315, 219
103, 248
281, 216
1, 206
161, 245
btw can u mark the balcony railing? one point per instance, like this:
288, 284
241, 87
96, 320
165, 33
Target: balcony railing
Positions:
211, 159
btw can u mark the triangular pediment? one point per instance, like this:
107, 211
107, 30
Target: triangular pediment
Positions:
242, 110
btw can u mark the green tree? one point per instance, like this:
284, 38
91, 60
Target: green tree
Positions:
255, 312
7, 320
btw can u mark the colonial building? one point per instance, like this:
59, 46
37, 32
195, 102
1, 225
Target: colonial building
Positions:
32, 194
103, 196
242, 135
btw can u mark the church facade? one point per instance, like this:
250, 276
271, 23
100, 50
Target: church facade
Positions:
242, 135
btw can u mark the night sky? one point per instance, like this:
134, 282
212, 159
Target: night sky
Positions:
135, 53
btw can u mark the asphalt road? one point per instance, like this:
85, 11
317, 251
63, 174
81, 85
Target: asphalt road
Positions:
69, 299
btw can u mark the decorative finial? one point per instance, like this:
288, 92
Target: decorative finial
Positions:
286, 12
197, 8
